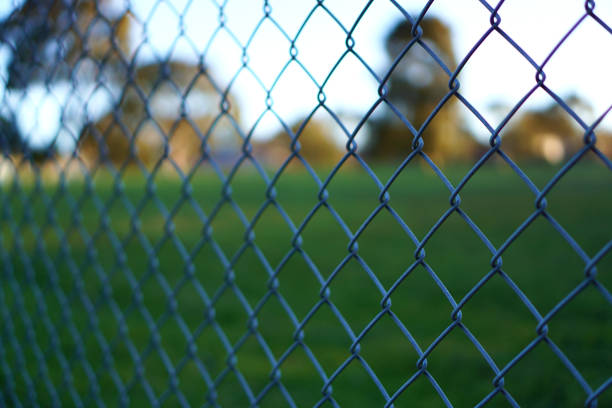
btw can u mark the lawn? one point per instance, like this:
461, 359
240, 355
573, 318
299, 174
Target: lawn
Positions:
122, 293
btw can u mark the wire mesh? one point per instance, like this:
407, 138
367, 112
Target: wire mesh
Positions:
109, 270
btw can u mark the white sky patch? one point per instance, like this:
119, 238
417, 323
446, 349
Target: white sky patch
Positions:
37, 113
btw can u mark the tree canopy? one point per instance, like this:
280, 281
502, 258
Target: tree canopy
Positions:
153, 106
315, 143
168, 104
47, 38
52, 43
547, 132
416, 86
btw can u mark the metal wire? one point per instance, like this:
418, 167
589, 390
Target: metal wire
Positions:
18, 292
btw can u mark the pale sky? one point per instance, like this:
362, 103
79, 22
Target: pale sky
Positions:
496, 73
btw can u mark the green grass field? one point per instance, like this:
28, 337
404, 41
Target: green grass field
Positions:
71, 280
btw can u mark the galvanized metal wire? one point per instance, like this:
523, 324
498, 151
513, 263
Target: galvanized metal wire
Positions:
44, 332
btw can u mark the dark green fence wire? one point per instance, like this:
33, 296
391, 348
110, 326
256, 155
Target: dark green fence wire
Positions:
51, 380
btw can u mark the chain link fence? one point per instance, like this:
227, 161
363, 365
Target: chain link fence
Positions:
157, 250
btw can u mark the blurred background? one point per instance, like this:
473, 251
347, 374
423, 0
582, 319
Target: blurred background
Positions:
65, 70
301, 203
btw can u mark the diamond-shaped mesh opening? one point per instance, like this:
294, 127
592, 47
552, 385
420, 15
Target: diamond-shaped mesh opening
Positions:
324, 331
276, 396
488, 70
211, 269
231, 392
317, 140
530, 268
186, 142
324, 257
251, 192
458, 273
141, 395
285, 90
251, 276
490, 310
526, 382
419, 210
190, 304
153, 297
415, 292
571, 330
422, 76
278, 340
253, 363
471, 369
297, 192
230, 315
385, 227
497, 186
355, 376
368, 25
583, 84
228, 228
319, 65
419, 390
211, 350
362, 201
300, 284
383, 336
522, 28
194, 390
336, 91
591, 229
351, 279
265, 68
546, 131
301, 378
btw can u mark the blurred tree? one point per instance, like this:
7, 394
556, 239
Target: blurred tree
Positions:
604, 142
548, 133
12, 143
168, 104
10, 138
416, 87
47, 38
316, 144
85, 42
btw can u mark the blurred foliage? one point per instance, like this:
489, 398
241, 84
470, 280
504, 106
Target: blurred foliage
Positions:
10, 139
549, 133
49, 38
176, 109
52, 41
170, 109
157, 111
13, 143
311, 138
417, 85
